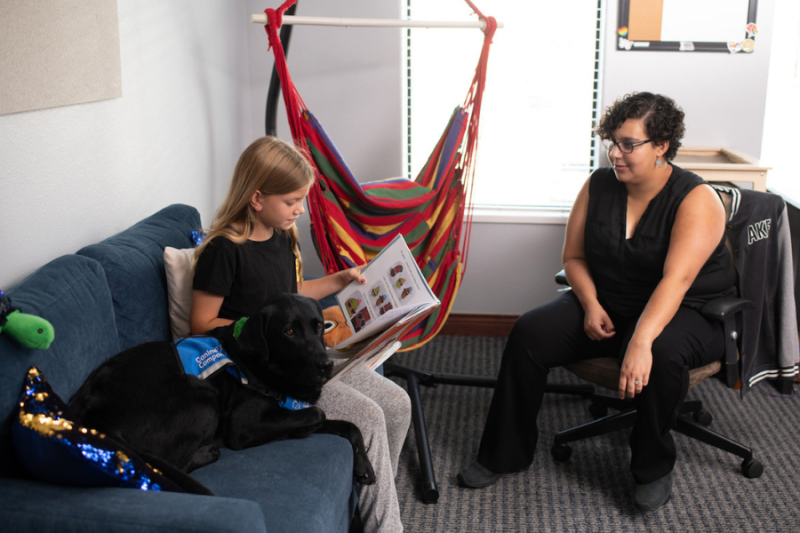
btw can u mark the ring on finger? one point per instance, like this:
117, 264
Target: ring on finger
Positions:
637, 382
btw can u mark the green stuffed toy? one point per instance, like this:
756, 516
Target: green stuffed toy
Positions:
29, 330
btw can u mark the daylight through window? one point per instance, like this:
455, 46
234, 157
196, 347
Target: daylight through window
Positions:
542, 95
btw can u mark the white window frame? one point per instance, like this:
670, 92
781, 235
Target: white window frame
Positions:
509, 213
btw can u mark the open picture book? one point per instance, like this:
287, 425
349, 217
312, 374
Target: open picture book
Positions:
381, 311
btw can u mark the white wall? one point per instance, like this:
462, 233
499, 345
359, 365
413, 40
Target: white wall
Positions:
73, 175
193, 98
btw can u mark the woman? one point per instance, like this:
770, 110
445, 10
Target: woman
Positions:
644, 250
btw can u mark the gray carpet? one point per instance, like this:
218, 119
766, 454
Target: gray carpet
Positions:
592, 491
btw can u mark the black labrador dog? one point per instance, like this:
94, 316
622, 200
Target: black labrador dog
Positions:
144, 398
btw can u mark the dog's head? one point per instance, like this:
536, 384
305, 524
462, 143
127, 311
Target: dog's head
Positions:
281, 348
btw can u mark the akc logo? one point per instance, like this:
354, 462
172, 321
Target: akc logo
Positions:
758, 231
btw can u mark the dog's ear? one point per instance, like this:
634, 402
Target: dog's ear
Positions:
251, 335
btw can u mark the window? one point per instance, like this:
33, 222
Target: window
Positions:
541, 101
782, 114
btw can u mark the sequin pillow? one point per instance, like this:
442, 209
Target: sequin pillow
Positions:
54, 449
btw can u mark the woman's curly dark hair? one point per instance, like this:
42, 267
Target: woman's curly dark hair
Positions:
663, 119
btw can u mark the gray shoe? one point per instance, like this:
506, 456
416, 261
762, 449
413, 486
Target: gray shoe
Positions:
477, 476
653, 495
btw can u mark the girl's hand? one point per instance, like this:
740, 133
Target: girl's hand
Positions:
319, 288
352, 274
635, 371
597, 324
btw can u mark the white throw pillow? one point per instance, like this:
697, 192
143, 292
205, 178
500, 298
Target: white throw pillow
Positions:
178, 264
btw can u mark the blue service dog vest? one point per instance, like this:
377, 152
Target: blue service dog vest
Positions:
204, 356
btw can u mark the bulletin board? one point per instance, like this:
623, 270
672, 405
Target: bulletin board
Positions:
727, 26
57, 53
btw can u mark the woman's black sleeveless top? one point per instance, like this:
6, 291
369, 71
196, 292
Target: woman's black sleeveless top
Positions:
626, 271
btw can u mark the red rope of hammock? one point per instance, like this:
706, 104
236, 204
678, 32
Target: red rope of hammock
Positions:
474, 99
295, 106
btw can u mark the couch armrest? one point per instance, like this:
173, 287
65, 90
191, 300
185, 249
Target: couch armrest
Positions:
41, 507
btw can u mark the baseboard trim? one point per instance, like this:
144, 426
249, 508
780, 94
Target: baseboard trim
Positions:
478, 325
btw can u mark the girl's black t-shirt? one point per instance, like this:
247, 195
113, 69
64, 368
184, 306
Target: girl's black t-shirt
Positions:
247, 275
626, 271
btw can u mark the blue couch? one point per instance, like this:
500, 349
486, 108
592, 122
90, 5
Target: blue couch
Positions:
105, 298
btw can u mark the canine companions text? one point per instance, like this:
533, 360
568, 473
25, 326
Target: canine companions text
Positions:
177, 422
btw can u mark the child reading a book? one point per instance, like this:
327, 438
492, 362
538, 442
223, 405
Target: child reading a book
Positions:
251, 254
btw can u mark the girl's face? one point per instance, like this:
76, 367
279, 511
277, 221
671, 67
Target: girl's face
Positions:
279, 210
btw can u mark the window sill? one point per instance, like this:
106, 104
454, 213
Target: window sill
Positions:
485, 214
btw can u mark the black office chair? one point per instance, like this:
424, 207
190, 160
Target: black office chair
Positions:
692, 421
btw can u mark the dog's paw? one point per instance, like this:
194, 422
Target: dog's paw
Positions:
362, 468
317, 413
204, 455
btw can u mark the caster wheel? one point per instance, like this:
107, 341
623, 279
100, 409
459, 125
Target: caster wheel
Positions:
598, 411
752, 468
561, 452
703, 418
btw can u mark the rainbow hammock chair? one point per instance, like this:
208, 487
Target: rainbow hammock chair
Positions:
352, 222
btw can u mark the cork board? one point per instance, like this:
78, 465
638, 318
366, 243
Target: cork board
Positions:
644, 20
57, 53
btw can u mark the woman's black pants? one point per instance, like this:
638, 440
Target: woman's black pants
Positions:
552, 335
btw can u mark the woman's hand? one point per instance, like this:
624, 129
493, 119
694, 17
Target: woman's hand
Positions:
597, 324
635, 371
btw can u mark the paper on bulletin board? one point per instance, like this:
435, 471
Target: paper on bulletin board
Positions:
687, 20
57, 53
706, 21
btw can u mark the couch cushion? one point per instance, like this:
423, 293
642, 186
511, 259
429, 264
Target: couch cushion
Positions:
134, 264
43, 508
320, 470
72, 294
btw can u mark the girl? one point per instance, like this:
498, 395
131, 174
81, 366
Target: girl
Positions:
251, 254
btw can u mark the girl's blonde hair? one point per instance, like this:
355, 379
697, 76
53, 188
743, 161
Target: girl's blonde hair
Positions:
271, 166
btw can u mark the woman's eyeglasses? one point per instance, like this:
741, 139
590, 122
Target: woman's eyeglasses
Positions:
626, 147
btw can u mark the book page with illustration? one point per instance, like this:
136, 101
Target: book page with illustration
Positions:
394, 299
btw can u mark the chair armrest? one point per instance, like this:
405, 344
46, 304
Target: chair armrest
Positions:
716, 309
720, 308
725, 310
